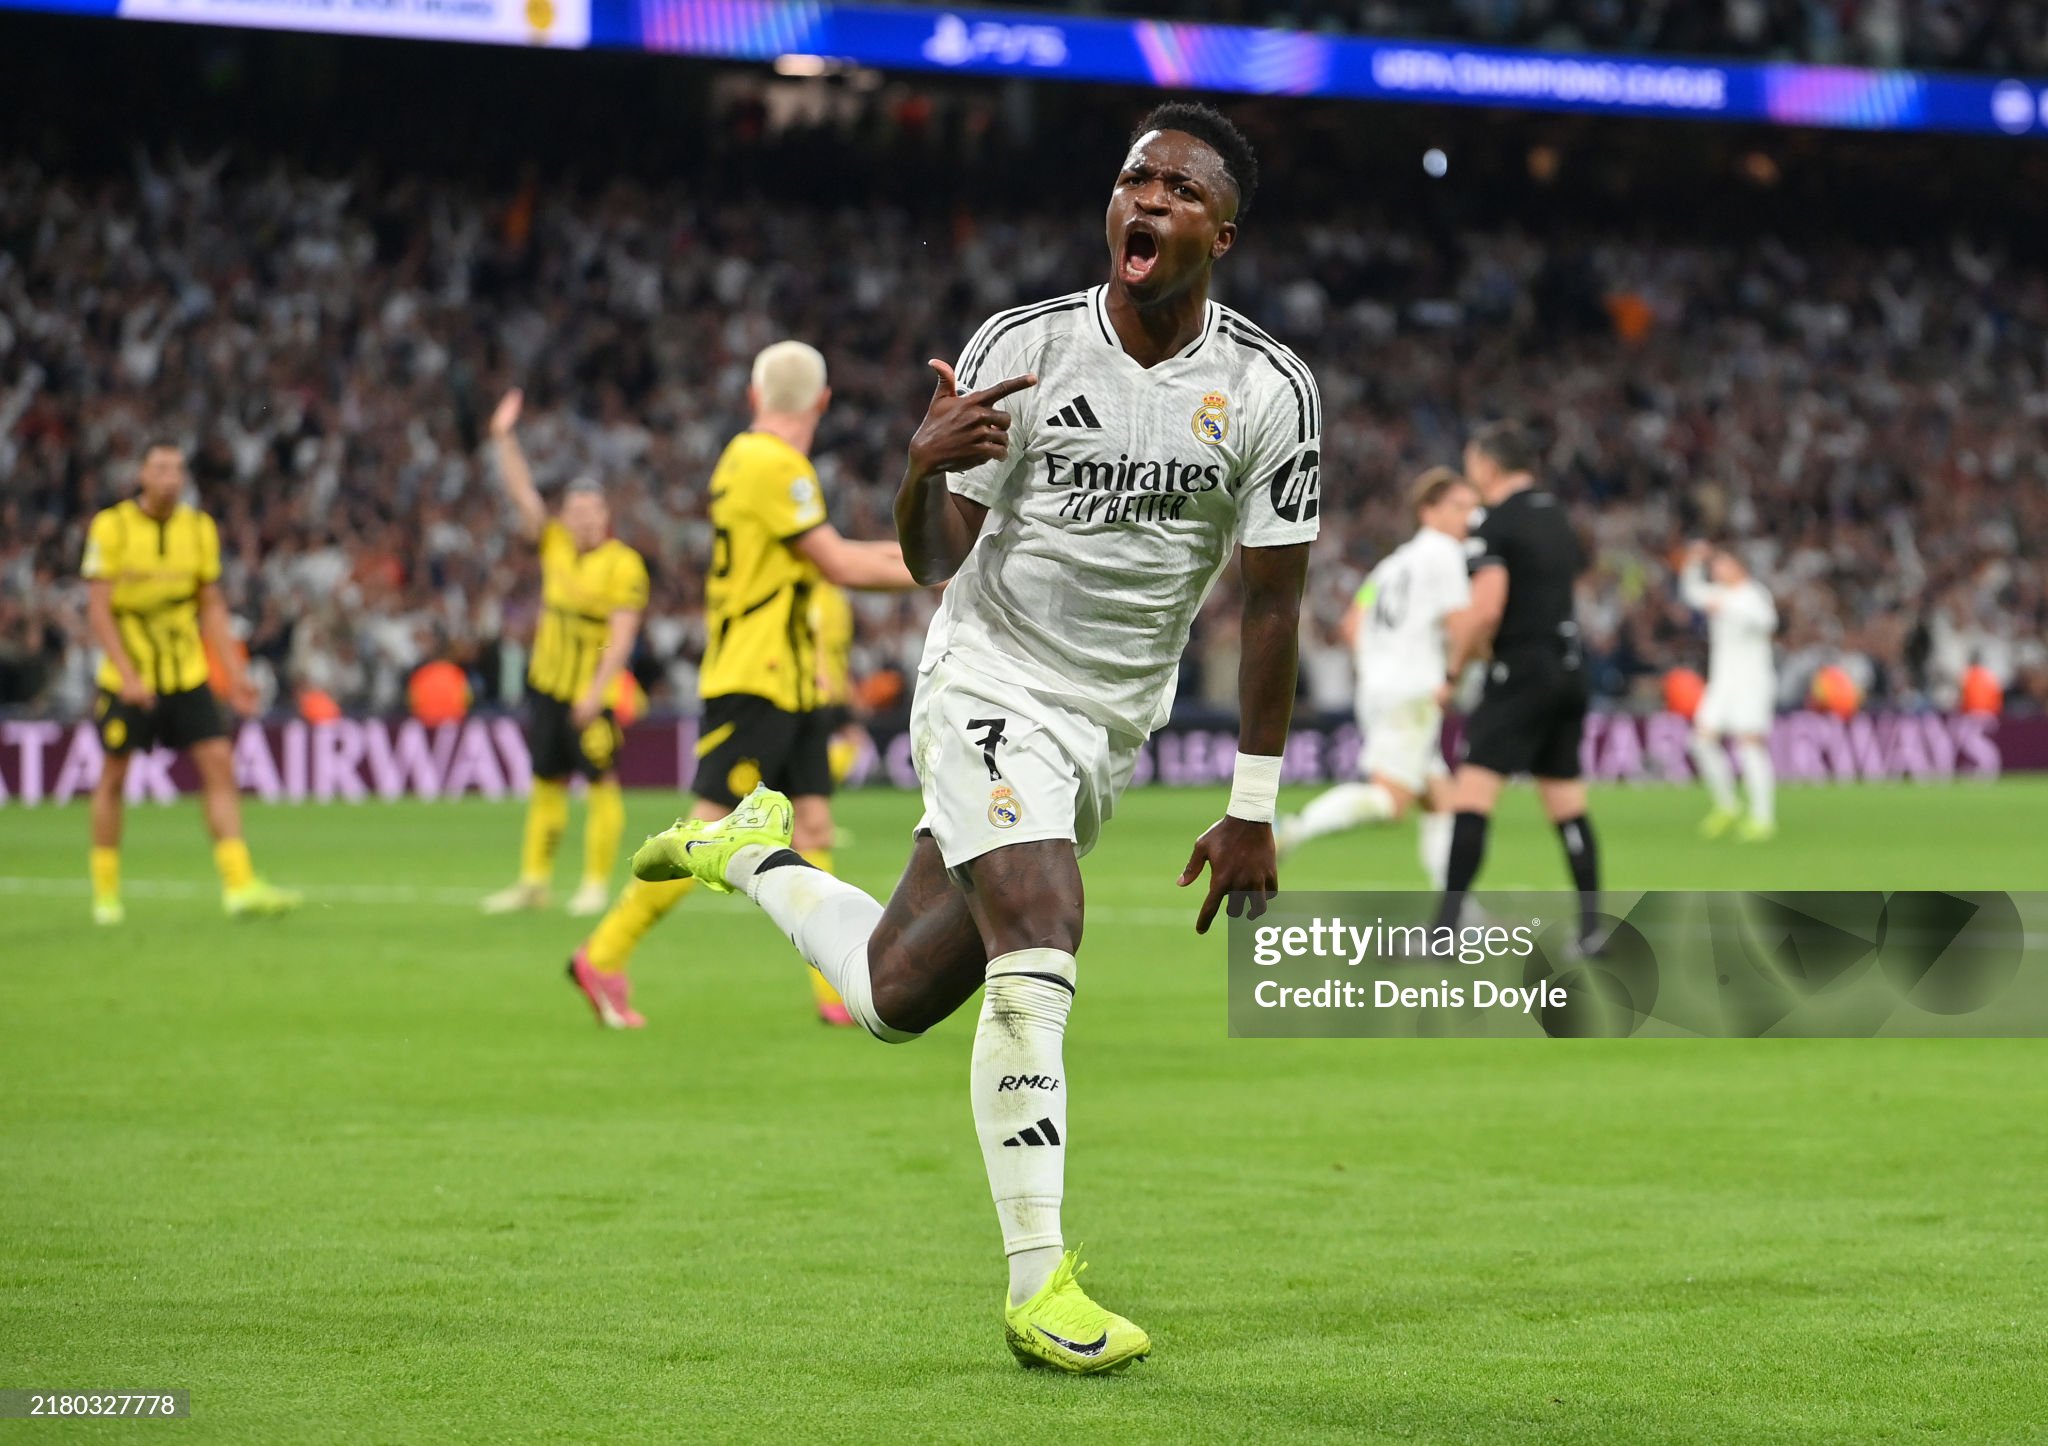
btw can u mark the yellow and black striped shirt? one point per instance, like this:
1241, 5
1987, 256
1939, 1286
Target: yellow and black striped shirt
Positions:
156, 569
579, 593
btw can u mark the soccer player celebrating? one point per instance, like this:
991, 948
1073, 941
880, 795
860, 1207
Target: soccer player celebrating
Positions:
1532, 716
1396, 630
1742, 688
152, 570
767, 718
593, 595
1083, 478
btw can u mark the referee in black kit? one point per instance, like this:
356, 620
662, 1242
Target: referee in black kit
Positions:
1525, 558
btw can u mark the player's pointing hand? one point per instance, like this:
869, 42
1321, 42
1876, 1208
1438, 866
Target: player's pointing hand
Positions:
959, 432
1242, 868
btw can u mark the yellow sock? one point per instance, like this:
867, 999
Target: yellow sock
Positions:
105, 865
840, 754
231, 857
547, 815
821, 987
602, 831
639, 908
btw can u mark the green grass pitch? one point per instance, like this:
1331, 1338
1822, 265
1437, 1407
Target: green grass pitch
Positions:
372, 1173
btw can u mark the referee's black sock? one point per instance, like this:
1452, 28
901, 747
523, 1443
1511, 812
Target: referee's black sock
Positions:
1582, 853
1468, 850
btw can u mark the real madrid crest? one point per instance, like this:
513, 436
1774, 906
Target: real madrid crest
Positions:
1212, 419
1003, 808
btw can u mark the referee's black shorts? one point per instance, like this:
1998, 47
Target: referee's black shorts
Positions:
175, 720
560, 748
748, 740
1531, 718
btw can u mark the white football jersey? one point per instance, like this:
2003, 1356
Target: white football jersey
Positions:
1740, 622
1124, 492
1400, 649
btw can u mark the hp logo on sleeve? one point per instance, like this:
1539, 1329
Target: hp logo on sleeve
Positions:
1297, 486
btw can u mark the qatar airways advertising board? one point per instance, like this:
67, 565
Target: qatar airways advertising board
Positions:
354, 760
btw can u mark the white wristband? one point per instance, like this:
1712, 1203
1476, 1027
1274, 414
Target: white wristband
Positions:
1254, 787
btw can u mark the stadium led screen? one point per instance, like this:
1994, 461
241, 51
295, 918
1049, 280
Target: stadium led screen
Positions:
1167, 54
1274, 62
553, 23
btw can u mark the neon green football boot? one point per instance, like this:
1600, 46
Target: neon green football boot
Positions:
1061, 1329
259, 900
696, 849
1717, 823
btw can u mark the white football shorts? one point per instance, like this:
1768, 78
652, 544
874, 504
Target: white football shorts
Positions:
1000, 765
1735, 712
1403, 741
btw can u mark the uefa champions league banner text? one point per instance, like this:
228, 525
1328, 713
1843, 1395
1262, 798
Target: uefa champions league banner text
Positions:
354, 759
1907, 963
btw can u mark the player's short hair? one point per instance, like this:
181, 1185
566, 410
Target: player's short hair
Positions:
1429, 489
1215, 130
162, 444
789, 377
583, 486
1511, 445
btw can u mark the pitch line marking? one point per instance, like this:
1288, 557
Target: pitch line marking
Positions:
447, 897
443, 896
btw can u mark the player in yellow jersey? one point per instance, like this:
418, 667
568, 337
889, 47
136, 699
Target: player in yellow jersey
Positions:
832, 624
152, 570
763, 707
593, 596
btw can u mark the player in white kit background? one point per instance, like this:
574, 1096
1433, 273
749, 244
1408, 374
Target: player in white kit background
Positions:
1082, 476
1742, 690
1396, 628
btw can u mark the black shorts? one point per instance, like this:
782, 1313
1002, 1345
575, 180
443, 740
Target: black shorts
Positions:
175, 720
560, 748
1531, 717
748, 740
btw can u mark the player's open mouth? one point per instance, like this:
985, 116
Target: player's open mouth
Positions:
1141, 254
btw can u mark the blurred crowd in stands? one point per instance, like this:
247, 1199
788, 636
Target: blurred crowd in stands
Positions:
1869, 425
1980, 35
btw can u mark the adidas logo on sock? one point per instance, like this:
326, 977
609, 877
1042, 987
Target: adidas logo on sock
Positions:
1076, 413
1041, 1133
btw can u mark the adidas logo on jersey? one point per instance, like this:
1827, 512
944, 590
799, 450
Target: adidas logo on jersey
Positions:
1076, 413
1041, 1133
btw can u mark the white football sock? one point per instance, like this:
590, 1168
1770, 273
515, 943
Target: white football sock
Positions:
1018, 1087
1346, 806
1433, 843
828, 920
1761, 780
1711, 759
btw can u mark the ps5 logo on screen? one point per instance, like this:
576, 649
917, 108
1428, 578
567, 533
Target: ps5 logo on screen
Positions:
955, 42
